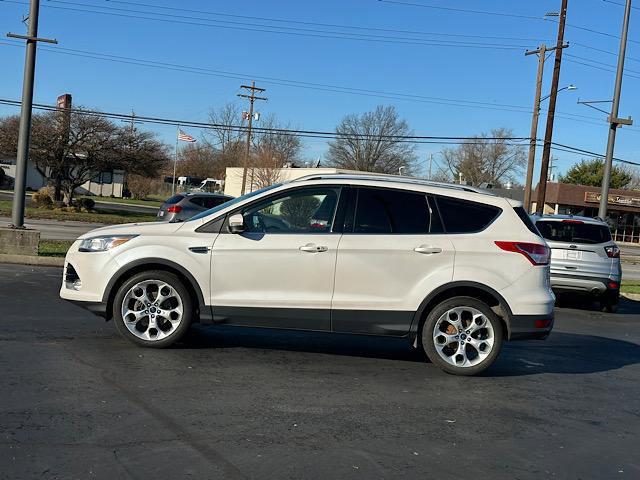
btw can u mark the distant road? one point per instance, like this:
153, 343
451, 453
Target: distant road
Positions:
56, 229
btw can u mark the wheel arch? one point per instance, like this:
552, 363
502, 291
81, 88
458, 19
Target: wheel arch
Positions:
202, 312
464, 289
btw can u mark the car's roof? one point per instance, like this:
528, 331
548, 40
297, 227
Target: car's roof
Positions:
387, 179
579, 218
205, 194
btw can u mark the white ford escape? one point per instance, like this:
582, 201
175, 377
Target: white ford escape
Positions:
455, 270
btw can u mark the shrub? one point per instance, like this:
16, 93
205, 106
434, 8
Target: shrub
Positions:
141, 187
43, 198
87, 204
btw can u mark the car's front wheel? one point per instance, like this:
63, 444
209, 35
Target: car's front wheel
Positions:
153, 309
462, 335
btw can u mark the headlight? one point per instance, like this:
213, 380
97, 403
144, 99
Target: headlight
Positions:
102, 244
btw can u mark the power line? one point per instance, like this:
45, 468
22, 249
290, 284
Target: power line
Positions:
460, 10
620, 4
502, 14
242, 128
309, 85
597, 67
601, 63
415, 139
244, 26
595, 49
332, 25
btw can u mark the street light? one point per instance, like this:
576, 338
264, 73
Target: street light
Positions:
532, 145
401, 169
568, 87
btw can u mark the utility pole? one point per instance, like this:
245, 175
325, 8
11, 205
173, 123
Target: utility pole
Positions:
613, 118
430, 164
546, 151
252, 98
17, 214
541, 52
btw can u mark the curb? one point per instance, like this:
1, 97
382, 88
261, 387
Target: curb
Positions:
32, 260
631, 296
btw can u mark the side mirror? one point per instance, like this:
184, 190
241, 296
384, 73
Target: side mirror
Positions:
236, 223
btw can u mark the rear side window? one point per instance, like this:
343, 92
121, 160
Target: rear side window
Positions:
526, 219
461, 216
173, 200
573, 232
208, 202
382, 211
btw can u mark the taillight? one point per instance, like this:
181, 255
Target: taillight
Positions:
534, 252
612, 251
575, 222
174, 209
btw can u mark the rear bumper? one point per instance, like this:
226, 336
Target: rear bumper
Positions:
596, 286
530, 327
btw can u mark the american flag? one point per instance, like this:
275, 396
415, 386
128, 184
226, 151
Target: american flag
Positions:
185, 137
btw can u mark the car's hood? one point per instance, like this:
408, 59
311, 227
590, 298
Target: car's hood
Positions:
145, 228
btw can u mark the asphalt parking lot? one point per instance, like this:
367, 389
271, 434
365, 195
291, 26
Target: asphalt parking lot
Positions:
78, 402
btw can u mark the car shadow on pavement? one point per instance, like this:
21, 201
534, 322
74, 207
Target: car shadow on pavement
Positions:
223, 336
625, 307
565, 353
561, 353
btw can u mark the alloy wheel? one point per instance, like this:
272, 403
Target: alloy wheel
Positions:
152, 310
463, 336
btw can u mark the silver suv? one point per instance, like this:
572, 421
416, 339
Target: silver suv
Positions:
584, 258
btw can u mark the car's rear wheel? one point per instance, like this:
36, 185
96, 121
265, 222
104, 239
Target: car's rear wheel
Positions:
462, 335
153, 309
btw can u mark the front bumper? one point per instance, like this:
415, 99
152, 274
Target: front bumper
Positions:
97, 308
530, 327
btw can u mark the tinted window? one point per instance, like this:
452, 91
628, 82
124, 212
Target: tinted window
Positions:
208, 202
384, 211
571, 232
461, 216
173, 200
526, 220
300, 211
233, 201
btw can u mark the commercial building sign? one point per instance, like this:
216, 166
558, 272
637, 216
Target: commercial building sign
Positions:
623, 200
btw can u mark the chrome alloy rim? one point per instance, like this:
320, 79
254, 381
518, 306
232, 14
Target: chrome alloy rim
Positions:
152, 310
463, 336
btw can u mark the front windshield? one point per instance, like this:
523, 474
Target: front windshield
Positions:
224, 205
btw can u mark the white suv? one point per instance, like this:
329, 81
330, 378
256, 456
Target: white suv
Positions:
451, 268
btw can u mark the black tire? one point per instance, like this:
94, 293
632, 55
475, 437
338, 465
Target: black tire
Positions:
429, 343
180, 292
609, 302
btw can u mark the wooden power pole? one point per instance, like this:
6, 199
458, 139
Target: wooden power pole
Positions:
541, 52
546, 151
252, 98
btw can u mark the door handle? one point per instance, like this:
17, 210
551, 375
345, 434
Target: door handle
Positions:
313, 248
200, 249
427, 249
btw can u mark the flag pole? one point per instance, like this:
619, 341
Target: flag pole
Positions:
175, 162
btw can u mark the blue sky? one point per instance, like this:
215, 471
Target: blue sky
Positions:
426, 65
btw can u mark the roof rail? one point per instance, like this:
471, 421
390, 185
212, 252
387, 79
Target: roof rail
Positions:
384, 177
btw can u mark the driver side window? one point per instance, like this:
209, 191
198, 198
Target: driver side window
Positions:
298, 211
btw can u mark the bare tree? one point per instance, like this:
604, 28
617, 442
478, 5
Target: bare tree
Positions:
482, 159
70, 149
202, 161
226, 138
272, 151
9, 127
370, 142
